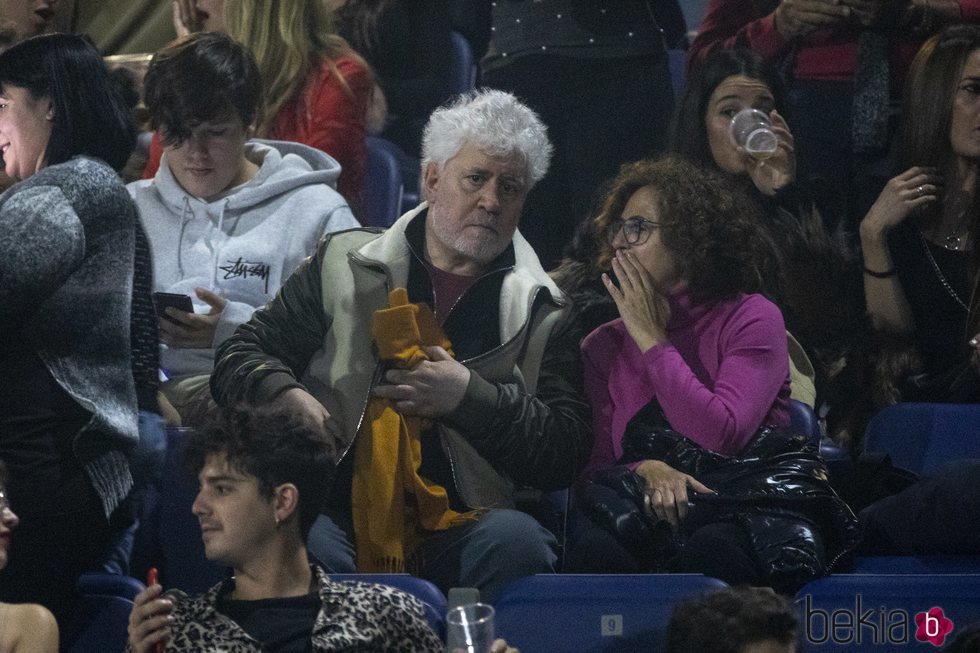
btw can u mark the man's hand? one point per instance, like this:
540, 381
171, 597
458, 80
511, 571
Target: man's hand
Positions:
797, 18
193, 331
149, 620
300, 402
433, 388
666, 491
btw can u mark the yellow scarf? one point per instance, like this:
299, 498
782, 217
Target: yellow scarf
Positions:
390, 501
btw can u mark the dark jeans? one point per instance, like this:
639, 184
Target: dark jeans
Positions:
600, 113
939, 514
502, 546
720, 550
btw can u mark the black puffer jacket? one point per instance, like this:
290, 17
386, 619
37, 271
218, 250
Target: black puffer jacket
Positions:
776, 489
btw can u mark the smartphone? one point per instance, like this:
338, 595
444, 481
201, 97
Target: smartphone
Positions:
163, 300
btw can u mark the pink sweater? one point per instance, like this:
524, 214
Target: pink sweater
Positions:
722, 375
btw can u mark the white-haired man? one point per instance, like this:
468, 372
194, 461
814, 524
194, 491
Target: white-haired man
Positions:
505, 409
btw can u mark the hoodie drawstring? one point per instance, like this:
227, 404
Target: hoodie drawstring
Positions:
184, 219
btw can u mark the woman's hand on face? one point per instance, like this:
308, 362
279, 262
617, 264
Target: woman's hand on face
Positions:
644, 310
666, 491
779, 170
191, 330
913, 189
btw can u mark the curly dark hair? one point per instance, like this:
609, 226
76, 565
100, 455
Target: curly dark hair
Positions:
727, 620
709, 224
275, 447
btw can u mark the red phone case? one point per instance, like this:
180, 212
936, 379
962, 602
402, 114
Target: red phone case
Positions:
152, 578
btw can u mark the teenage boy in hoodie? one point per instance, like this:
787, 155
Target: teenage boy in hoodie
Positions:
228, 219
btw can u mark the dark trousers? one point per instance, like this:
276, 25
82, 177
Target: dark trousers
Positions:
721, 550
600, 113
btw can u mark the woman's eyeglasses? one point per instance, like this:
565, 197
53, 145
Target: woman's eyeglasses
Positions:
635, 230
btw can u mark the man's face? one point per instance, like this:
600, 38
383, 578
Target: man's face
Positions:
475, 204
27, 18
236, 520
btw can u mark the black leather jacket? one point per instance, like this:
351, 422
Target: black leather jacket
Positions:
541, 440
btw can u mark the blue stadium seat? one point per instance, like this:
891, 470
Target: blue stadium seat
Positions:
923, 437
677, 62
924, 564
859, 612
462, 65
579, 613
430, 596
803, 420
381, 195
102, 615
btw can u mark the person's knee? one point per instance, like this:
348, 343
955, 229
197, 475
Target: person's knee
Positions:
331, 546
517, 540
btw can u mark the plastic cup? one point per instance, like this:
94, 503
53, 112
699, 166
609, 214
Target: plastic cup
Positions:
751, 129
469, 628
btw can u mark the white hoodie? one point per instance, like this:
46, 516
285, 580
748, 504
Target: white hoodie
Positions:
244, 245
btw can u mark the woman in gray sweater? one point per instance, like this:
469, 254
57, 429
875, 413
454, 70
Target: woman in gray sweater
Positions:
68, 231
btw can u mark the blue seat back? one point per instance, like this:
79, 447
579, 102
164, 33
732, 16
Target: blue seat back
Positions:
102, 614
579, 613
870, 610
923, 437
803, 420
431, 597
923, 564
381, 195
462, 65
677, 62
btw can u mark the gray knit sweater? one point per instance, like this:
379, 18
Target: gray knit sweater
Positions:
66, 276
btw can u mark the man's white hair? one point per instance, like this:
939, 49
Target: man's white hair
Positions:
496, 122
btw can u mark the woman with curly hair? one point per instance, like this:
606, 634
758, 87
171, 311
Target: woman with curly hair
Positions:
695, 353
683, 247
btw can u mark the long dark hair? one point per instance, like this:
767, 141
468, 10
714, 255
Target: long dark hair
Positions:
927, 118
688, 135
90, 115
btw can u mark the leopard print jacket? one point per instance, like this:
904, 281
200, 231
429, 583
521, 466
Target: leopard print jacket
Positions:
354, 617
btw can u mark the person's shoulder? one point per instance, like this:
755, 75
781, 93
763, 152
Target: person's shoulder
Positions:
757, 309
376, 595
605, 336
348, 65
30, 627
